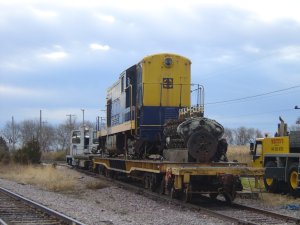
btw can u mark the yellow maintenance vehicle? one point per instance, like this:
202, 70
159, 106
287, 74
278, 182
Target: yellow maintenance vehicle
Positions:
280, 156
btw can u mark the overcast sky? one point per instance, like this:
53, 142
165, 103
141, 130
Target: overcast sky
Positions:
60, 56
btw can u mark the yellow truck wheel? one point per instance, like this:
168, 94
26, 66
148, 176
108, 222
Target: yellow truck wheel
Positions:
293, 179
271, 184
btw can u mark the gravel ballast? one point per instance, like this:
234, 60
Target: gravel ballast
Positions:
110, 205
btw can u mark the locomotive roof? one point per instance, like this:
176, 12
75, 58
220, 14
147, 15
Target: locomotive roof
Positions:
166, 55
143, 59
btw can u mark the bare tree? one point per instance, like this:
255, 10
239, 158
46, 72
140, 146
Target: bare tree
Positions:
228, 134
29, 130
12, 132
3, 144
258, 134
47, 137
241, 135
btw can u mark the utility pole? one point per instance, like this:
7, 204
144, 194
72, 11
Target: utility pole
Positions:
13, 133
40, 130
298, 121
82, 117
70, 121
97, 123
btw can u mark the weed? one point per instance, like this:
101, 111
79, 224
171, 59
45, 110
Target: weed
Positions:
48, 177
96, 185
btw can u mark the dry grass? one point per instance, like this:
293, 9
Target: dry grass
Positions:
45, 177
54, 156
239, 153
278, 199
94, 185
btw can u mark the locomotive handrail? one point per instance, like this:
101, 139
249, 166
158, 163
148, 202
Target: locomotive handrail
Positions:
199, 88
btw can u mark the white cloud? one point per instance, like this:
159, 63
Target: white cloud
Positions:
95, 46
17, 91
267, 10
55, 56
47, 15
106, 18
225, 58
13, 66
290, 53
251, 49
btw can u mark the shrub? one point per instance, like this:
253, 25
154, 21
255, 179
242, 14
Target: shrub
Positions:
4, 153
4, 157
54, 156
29, 154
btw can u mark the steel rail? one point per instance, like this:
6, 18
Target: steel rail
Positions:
267, 212
44, 209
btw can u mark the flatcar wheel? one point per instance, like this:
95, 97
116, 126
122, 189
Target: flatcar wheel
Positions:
187, 196
100, 170
146, 182
108, 173
228, 198
213, 196
152, 184
162, 187
173, 193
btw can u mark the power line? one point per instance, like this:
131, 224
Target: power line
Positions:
252, 96
261, 113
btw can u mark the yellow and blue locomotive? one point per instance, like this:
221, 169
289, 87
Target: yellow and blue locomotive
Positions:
144, 98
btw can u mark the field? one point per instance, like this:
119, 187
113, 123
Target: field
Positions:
240, 154
44, 177
58, 179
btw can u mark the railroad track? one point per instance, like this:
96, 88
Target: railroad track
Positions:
235, 213
15, 209
243, 214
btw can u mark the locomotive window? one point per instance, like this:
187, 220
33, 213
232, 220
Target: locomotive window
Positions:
122, 84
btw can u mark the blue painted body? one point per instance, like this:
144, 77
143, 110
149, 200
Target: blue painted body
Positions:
152, 119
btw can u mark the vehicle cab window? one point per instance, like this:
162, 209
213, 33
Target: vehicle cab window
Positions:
76, 137
258, 148
95, 138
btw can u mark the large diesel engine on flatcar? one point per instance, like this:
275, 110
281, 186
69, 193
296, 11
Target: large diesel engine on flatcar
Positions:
198, 138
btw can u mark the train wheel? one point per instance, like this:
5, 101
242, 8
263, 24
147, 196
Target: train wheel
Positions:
228, 198
153, 183
187, 196
146, 182
109, 173
293, 179
271, 184
99, 169
213, 195
173, 193
162, 187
